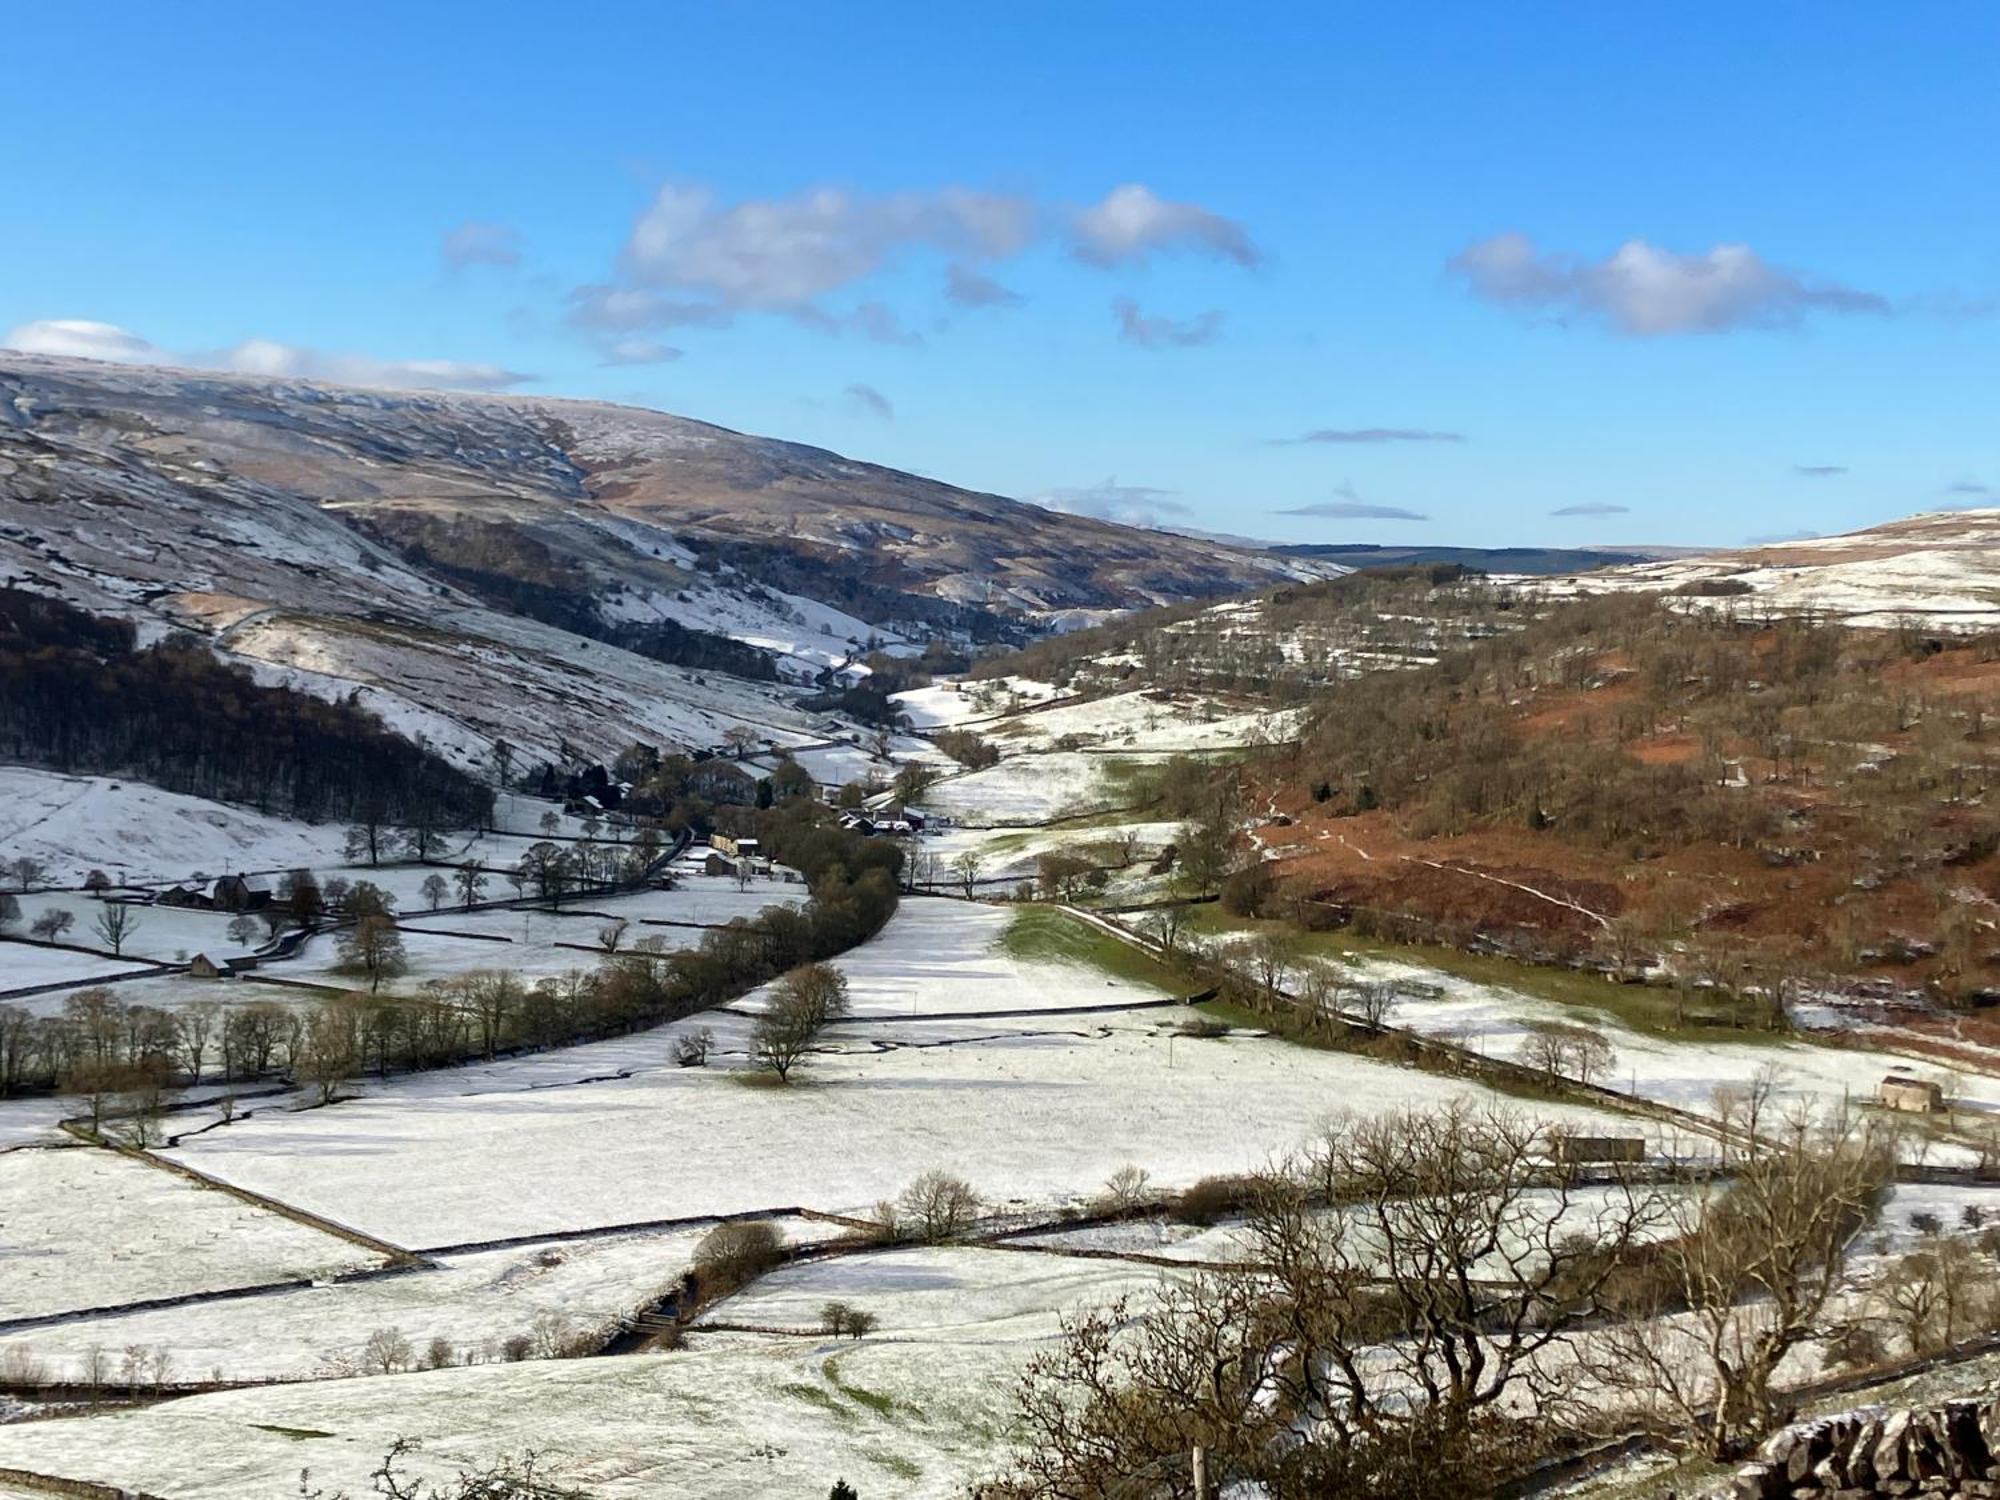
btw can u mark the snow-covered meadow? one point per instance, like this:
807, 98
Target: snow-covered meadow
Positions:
1024, 789
1037, 1109
87, 1228
549, 1293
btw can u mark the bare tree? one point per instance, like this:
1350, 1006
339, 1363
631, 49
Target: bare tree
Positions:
435, 889
936, 1208
373, 946
1369, 1350
1937, 1293
965, 870
470, 879
27, 871
328, 1052
195, 1023
800, 1006
386, 1351
1756, 1264
52, 924
117, 923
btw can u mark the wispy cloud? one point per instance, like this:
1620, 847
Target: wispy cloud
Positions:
1593, 508
1971, 488
1149, 332
639, 351
1644, 291
1358, 435
869, 401
80, 338
969, 288
1819, 471
1355, 510
1349, 506
1127, 504
476, 244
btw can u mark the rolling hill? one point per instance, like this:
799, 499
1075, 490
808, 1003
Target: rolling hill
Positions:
551, 571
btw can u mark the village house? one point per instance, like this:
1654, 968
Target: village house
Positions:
732, 844
243, 893
1910, 1094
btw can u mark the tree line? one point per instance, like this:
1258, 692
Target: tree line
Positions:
78, 694
126, 1061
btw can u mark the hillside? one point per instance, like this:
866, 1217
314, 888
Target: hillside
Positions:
1940, 568
1622, 781
546, 571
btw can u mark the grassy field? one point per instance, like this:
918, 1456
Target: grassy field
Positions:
1043, 934
1641, 1007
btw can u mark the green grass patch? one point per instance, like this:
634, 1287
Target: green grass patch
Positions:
1043, 934
812, 1395
1639, 1007
884, 1406
893, 1463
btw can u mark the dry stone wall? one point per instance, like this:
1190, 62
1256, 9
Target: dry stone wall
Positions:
1951, 1450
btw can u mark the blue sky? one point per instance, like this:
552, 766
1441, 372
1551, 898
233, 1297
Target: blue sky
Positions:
1639, 265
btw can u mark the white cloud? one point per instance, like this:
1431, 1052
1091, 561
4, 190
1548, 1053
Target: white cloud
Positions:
690, 256
1127, 504
477, 244
1150, 332
81, 339
277, 361
1645, 291
1132, 222
1593, 508
786, 253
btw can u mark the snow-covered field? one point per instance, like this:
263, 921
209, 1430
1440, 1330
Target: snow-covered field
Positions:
1143, 721
917, 1410
1030, 1110
86, 1228
1007, 855
939, 957
23, 965
944, 704
131, 831
162, 934
1687, 1075
576, 1289
1024, 789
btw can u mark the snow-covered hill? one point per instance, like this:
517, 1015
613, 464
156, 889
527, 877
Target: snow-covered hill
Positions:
1938, 569
475, 565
